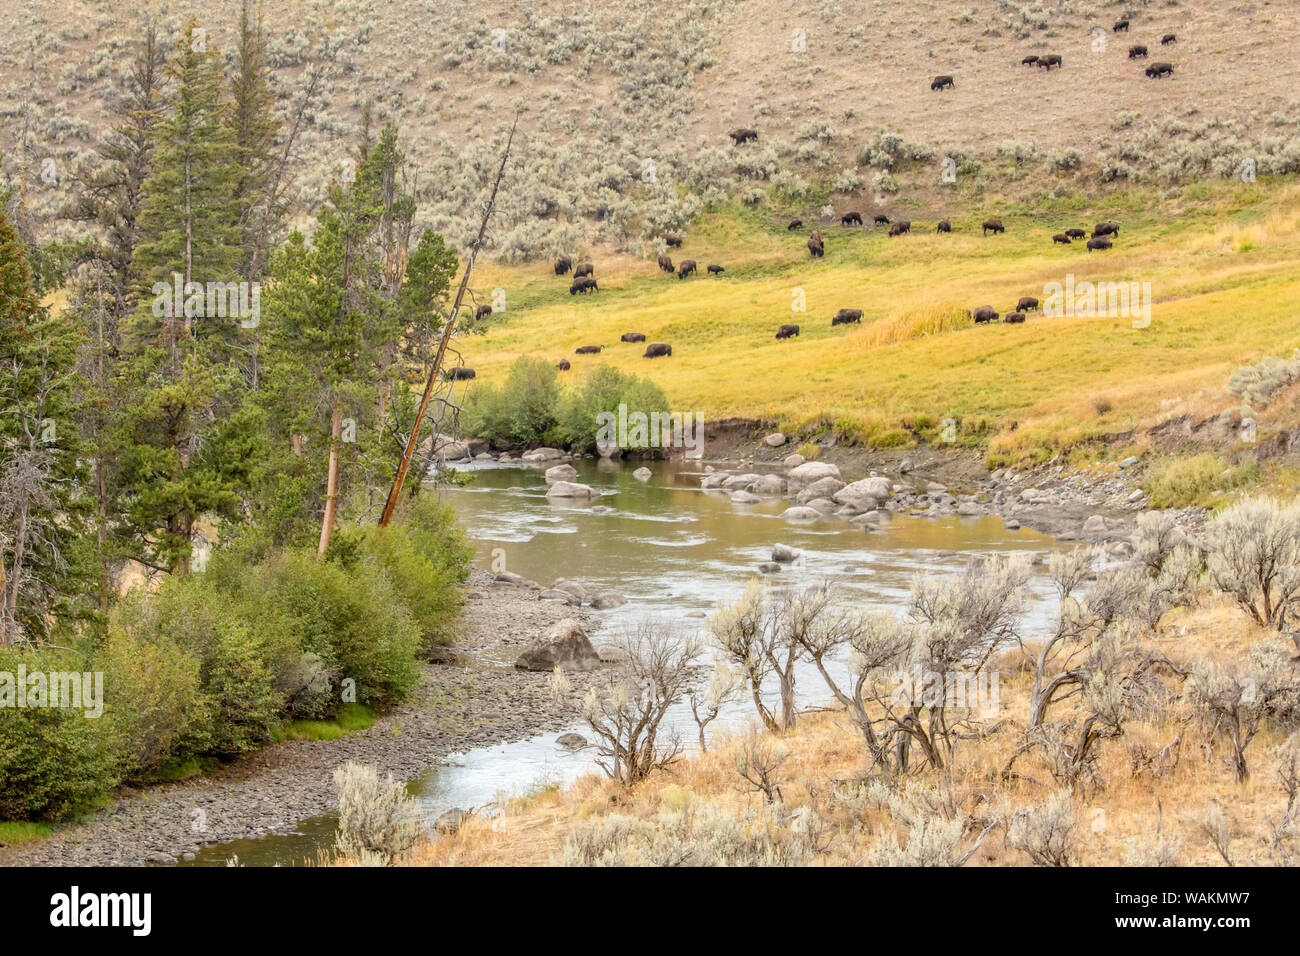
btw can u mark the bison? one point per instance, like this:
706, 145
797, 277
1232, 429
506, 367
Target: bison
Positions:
482, 312
1029, 60
686, 268
658, 350
985, 313
944, 226
994, 226
1105, 229
562, 265
673, 241
584, 286
1121, 26
795, 224
1136, 51
586, 269
460, 374
716, 270
1027, 303
632, 337
739, 136
845, 316
1061, 238
588, 350
942, 82
1011, 318
1157, 70
563, 365
881, 220
1098, 242
851, 219
900, 227
815, 235
815, 248
1075, 233
1167, 39
787, 331
1051, 60
666, 264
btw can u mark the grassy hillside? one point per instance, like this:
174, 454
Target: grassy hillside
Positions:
1222, 262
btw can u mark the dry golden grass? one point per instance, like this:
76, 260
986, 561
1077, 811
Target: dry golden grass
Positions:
1121, 813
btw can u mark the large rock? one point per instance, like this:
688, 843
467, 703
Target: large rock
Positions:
563, 644
811, 471
542, 454
736, 482
714, 480
783, 553
608, 601
821, 488
744, 498
769, 485
642, 474
865, 494
1095, 524
571, 489
572, 587
561, 473
774, 440
509, 577
563, 597
793, 461
801, 513
446, 448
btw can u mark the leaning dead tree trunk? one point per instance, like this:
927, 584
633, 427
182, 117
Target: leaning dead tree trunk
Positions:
414, 440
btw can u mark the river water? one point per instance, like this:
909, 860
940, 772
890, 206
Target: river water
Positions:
673, 551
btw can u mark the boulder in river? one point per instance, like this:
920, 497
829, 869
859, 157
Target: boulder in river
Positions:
784, 553
563, 597
769, 567
571, 587
563, 644
774, 440
821, 488
865, 494
811, 471
509, 577
543, 454
801, 513
714, 479
1095, 524
642, 474
793, 461
571, 741
561, 473
744, 498
734, 482
771, 485
608, 600
571, 489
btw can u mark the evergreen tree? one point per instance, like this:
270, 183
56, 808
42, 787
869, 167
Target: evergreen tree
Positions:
254, 130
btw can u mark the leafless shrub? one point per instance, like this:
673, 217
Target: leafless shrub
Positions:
759, 762
724, 686
938, 833
1046, 833
1217, 828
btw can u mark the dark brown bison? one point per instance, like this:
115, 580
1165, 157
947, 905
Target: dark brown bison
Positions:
1136, 50
666, 264
588, 350
944, 226
1027, 303
674, 242
1098, 242
985, 313
900, 227
482, 312
1051, 60
795, 224
845, 316
632, 337
460, 374
787, 331
1106, 229
1011, 318
686, 268
1029, 60
658, 350
584, 286
563, 365
815, 235
1121, 26
1167, 39
881, 220
585, 269
942, 83
739, 136
715, 270
994, 226
1061, 238
1157, 70
815, 248
1075, 233
562, 265
851, 219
